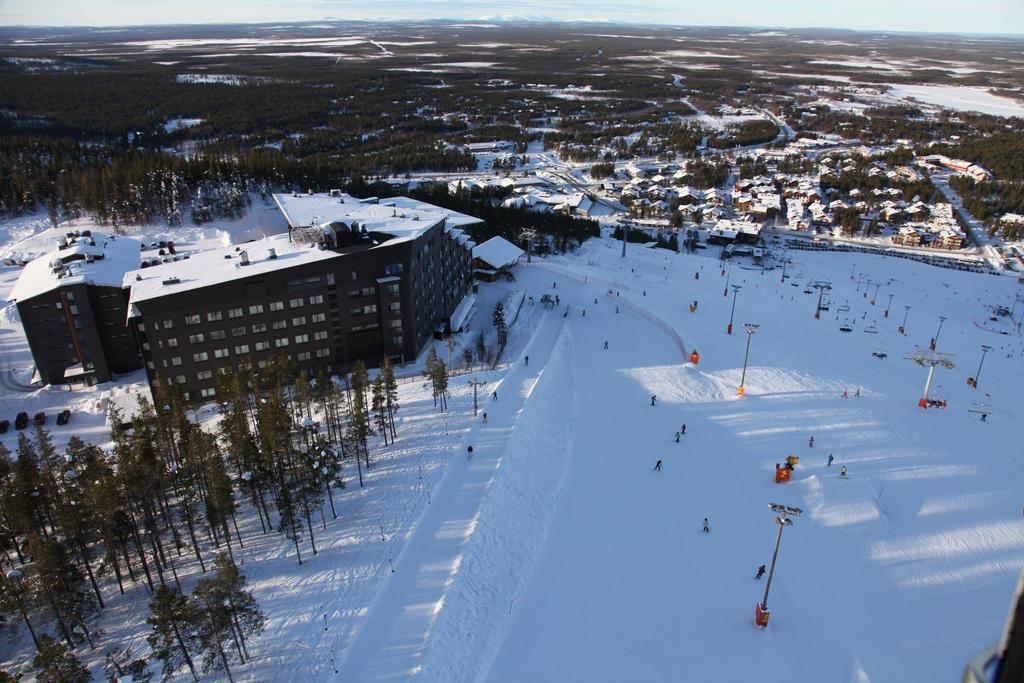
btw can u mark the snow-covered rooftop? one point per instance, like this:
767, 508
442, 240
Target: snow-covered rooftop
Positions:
497, 252
398, 216
98, 259
215, 266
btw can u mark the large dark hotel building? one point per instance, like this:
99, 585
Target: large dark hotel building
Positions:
351, 279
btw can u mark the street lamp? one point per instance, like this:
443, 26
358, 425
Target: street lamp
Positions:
886, 314
751, 328
985, 348
903, 327
935, 339
735, 291
783, 521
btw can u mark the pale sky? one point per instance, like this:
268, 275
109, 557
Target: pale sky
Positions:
961, 16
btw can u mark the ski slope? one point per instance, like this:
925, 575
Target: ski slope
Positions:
902, 571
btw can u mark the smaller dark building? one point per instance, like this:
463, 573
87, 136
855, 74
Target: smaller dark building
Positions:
74, 311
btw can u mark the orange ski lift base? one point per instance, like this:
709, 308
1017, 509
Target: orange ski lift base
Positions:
782, 473
760, 616
694, 357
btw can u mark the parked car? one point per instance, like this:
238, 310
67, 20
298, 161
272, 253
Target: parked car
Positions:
21, 421
63, 417
4, 426
39, 419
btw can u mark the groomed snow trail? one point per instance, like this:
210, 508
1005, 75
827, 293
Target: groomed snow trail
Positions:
390, 645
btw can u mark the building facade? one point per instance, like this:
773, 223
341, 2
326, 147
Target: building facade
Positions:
73, 309
375, 281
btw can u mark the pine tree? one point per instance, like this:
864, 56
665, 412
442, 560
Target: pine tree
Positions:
225, 614
498, 318
379, 406
58, 583
467, 356
57, 663
481, 348
174, 637
439, 379
390, 392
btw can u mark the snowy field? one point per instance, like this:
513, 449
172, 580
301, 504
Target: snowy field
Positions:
960, 98
557, 553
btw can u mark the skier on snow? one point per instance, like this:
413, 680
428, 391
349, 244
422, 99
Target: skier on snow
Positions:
707, 528
683, 429
842, 473
830, 459
606, 344
677, 437
469, 453
810, 442
654, 398
657, 466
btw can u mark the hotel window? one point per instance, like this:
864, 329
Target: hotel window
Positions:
214, 316
395, 307
255, 309
395, 325
299, 321
296, 303
237, 331
217, 335
262, 346
196, 338
176, 361
193, 319
204, 374
372, 308
241, 349
259, 327
208, 392
323, 353
220, 353
168, 324
277, 305
301, 338
319, 317
369, 291
282, 342
180, 379
302, 356
200, 357
235, 313
279, 324
316, 299
397, 341
393, 269
172, 342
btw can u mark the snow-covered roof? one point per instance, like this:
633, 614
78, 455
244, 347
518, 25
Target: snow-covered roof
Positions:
215, 266
399, 216
497, 252
97, 259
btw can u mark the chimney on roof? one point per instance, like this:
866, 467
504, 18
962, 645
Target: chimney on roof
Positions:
243, 258
271, 253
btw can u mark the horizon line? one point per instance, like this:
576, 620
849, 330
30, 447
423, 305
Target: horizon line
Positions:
525, 21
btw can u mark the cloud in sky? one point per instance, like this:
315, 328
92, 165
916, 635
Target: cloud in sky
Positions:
962, 16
